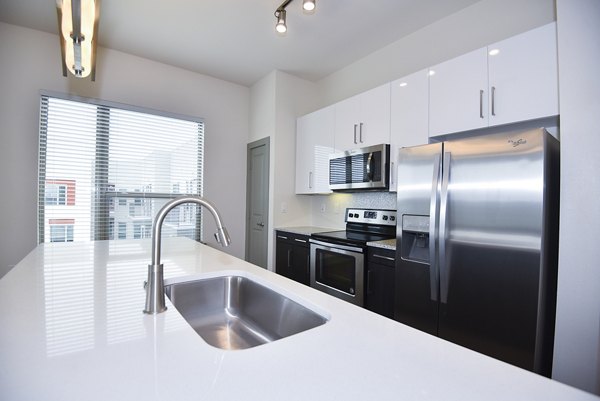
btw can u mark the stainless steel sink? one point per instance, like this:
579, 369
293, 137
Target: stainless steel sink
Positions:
234, 312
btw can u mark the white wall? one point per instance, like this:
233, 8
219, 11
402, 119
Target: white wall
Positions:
577, 343
276, 101
473, 27
30, 61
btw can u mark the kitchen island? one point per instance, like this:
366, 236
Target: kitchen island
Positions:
72, 328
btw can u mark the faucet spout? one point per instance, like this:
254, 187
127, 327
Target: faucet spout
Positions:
155, 288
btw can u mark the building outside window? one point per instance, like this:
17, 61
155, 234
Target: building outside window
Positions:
88, 148
61, 230
122, 231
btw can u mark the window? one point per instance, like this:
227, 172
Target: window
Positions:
56, 194
89, 148
122, 231
61, 233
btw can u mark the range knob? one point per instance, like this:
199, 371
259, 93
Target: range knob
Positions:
385, 217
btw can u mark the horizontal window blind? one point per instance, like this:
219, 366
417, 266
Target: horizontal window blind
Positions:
105, 171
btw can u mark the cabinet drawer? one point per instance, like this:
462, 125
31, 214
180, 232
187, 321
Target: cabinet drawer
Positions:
382, 256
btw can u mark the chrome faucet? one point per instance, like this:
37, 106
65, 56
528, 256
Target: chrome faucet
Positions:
155, 286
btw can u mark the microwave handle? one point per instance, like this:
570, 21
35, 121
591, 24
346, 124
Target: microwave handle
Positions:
369, 170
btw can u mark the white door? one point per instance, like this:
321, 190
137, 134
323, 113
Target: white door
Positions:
409, 116
523, 76
458, 99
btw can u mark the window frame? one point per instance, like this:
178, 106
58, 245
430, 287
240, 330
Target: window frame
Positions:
101, 177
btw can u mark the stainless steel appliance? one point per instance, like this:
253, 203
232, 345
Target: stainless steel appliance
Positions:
360, 169
337, 258
477, 244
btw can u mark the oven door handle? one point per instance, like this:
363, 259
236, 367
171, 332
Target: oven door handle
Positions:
329, 245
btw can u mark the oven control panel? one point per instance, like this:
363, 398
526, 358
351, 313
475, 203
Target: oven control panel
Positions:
371, 216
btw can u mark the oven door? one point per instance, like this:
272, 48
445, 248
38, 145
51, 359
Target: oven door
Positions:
338, 270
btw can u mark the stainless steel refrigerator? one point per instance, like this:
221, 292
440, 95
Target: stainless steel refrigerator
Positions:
477, 244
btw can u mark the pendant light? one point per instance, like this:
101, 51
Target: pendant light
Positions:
78, 26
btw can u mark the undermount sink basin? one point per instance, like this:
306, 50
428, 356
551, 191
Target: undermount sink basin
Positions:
234, 312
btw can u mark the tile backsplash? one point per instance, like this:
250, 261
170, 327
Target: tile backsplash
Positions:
328, 210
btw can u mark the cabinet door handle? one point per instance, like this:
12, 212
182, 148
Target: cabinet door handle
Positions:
300, 240
481, 103
282, 237
289, 258
493, 100
355, 125
360, 133
384, 257
310, 179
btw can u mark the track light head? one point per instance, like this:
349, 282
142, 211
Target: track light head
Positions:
281, 26
308, 6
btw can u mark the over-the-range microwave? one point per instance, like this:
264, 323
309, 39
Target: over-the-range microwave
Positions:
360, 169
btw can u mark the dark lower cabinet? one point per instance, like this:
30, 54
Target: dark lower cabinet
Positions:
380, 281
292, 256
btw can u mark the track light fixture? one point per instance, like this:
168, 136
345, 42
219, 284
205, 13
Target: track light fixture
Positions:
78, 34
281, 27
308, 6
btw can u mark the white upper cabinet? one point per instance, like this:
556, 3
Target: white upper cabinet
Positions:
509, 81
363, 120
314, 143
523, 76
409, 116
458, 94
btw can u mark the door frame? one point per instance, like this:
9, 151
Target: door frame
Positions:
267, 142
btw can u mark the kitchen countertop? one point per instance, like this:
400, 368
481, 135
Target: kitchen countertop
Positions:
72, 328
385, 244
306, 230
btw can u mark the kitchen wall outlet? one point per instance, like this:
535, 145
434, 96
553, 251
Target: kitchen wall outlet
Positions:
283, 207
323, 207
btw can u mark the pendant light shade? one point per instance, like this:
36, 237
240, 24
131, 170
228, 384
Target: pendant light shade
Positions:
78, 25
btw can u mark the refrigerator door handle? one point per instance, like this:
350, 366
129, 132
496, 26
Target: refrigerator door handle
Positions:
443, 266
433, 210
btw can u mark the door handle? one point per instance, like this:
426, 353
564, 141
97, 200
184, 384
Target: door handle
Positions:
355, 125
481, 103
493, 100
360, 133
433, 219
443, 266
289, 256
260, 224
369, 170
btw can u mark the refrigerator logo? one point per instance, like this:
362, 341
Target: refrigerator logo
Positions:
518, 142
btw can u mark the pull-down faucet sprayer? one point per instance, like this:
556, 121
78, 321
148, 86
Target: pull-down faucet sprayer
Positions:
155, 286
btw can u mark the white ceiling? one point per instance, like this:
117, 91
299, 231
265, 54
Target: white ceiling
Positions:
235, 40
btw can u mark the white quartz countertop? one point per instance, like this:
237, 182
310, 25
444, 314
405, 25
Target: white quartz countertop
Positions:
385, 244
72, 328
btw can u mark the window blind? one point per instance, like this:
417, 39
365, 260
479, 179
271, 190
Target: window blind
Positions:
105, 171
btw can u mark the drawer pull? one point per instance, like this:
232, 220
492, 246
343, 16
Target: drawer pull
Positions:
384, 257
